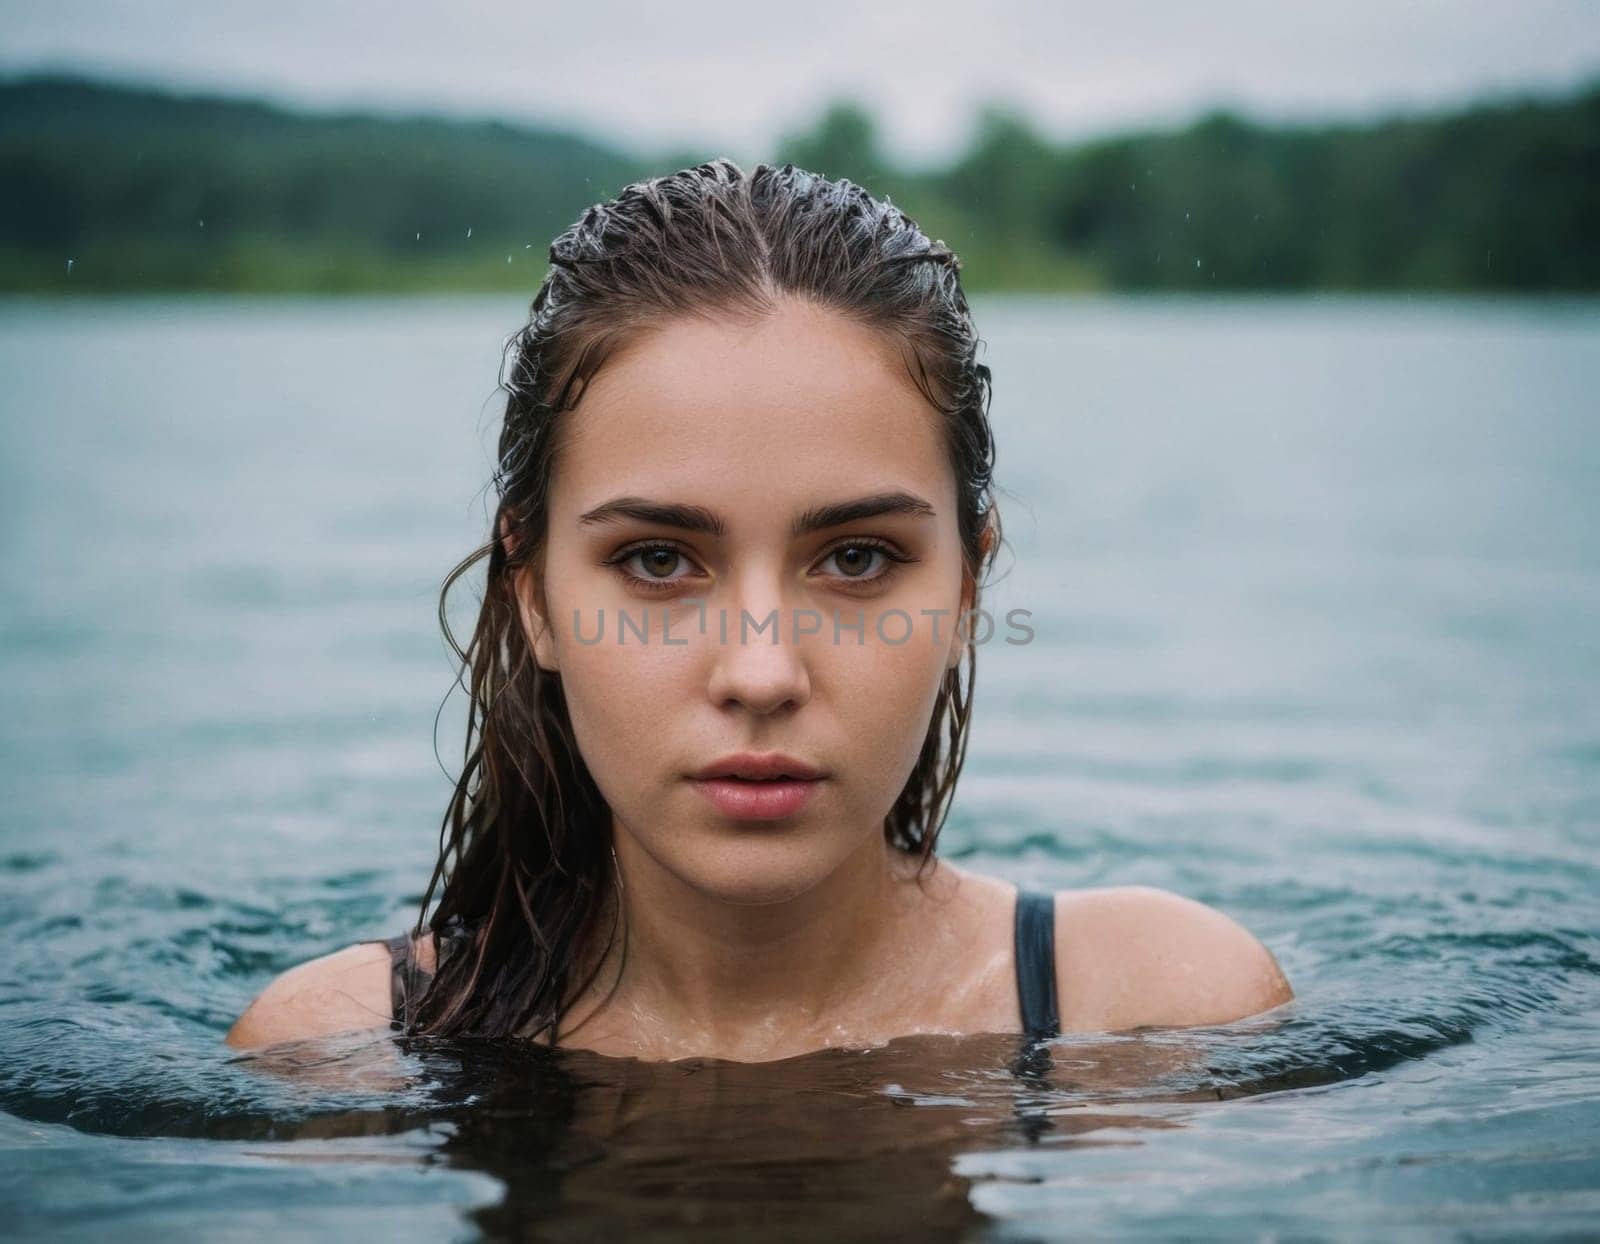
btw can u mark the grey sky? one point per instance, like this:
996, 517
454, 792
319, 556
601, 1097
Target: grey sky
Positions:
706, 74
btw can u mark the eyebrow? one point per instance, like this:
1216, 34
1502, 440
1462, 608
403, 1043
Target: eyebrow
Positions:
698, 518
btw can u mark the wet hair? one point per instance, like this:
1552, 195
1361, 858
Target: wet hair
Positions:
525, 855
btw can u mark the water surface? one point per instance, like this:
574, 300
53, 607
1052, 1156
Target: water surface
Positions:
1314, 586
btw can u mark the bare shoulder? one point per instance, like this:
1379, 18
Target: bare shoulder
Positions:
1131, 956
344, 991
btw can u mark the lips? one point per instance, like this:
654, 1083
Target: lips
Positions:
758, 799
763, 767
750, 787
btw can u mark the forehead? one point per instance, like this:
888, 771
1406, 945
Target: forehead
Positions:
796, 404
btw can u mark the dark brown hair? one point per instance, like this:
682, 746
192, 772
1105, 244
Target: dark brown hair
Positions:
525, 857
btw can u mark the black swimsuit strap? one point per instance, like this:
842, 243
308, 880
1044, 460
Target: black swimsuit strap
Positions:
1036, 964
408, 978
403, 971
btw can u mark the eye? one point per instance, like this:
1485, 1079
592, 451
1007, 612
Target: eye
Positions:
856, 557
860, 562
656, 562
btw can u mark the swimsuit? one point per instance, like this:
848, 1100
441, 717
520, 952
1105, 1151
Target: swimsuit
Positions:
1035, 952
407, 977
1035, 941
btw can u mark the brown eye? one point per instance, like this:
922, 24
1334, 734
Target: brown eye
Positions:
658, 566
855, 559
865, 561
660, 562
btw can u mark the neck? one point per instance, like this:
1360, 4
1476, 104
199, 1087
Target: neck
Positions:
700, 971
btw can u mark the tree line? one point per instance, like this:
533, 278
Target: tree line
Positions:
114, 187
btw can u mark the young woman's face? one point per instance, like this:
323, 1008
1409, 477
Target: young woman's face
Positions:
752, 431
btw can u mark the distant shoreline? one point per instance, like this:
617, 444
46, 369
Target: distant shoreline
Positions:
121, 189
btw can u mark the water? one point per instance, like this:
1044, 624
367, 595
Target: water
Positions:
1315, 587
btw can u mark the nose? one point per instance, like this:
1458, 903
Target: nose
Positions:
752, 671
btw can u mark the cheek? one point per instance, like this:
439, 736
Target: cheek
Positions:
625, 700
621, 697
884, 695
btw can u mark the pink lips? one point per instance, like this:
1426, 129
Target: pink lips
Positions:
767, 800
751, 787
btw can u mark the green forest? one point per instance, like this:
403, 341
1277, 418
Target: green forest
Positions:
110, 187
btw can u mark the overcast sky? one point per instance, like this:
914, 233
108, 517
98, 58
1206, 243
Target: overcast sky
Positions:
732, 75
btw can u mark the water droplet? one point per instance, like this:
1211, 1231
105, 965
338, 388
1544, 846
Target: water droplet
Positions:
508, 258
202, 222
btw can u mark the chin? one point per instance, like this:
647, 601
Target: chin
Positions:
756, 865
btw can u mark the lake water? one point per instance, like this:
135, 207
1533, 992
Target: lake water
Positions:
1316, 593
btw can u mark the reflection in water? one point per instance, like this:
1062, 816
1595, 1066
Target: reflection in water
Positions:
858, 1143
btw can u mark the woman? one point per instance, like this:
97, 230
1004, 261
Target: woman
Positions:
717, 705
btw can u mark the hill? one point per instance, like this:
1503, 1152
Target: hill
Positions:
113, 187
